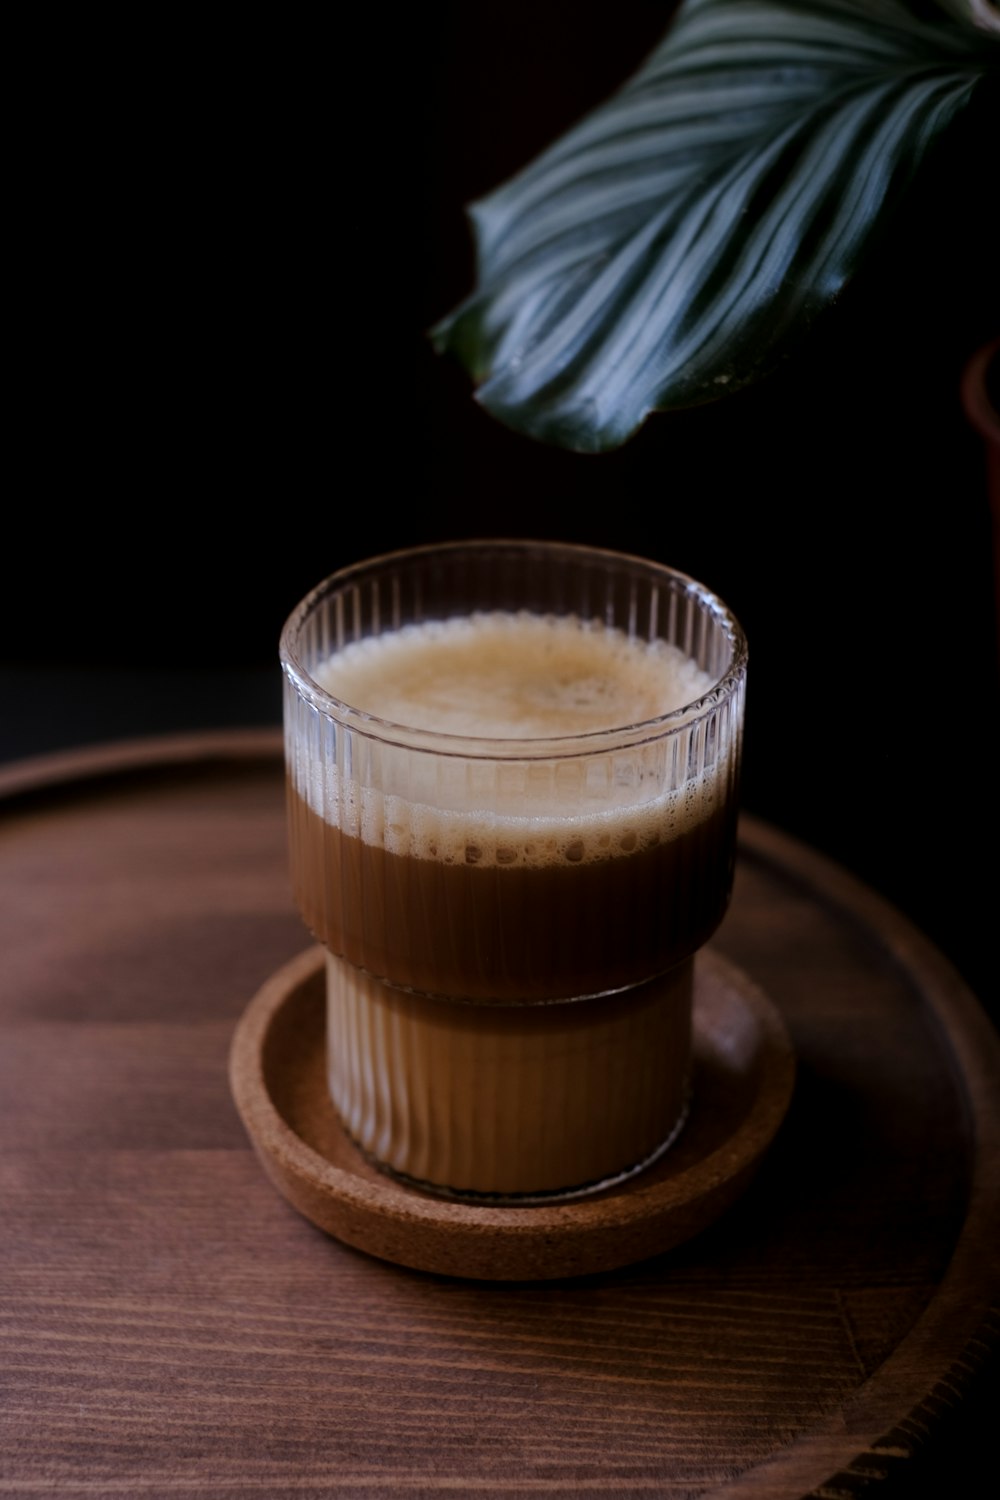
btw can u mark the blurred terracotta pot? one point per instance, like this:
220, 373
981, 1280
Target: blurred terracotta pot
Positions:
981, 399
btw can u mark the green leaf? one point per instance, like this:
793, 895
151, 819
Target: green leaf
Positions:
669, 248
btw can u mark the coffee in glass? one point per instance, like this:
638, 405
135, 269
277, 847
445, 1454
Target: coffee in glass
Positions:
512, 778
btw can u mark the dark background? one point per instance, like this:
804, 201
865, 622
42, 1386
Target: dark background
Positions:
231, 243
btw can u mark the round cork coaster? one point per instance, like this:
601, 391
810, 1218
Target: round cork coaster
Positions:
742, 1085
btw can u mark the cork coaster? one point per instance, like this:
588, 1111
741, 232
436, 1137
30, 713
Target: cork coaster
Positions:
743, 1077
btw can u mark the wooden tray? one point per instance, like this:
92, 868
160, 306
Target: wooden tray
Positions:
172, 1327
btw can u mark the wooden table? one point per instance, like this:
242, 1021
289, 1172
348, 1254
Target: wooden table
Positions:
172, 1327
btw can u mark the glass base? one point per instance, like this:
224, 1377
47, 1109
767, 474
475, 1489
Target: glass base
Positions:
536, 1199
509, 1103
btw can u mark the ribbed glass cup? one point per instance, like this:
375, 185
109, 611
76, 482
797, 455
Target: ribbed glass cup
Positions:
511, 921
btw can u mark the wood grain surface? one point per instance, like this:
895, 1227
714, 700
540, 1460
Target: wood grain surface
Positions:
170, 1326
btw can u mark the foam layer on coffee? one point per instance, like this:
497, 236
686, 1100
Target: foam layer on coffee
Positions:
515, 677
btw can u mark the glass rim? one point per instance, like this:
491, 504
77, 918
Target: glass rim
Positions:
491, 747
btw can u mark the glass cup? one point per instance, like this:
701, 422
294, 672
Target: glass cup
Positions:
512, 775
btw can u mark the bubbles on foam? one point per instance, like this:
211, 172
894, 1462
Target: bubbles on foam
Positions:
502, 840
568, 677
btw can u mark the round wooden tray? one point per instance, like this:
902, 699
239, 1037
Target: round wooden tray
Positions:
743, 1074
172, 1326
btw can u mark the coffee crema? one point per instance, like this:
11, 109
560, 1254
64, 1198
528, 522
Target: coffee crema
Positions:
512, 676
